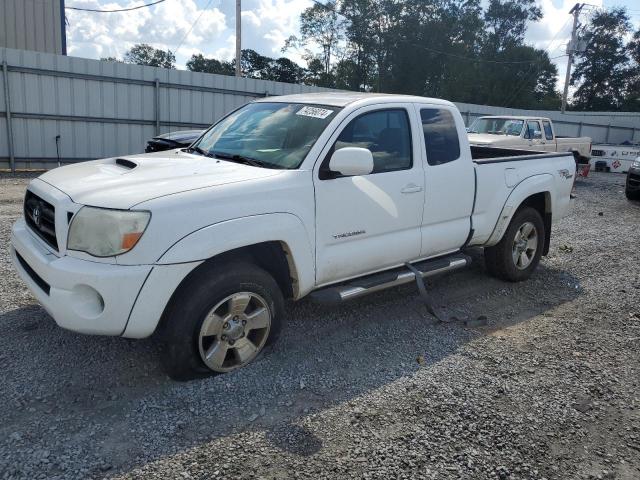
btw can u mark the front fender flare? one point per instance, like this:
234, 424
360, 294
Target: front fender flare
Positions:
228, 235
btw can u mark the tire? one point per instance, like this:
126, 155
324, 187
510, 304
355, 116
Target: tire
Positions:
505, 260
632, 195
201, 335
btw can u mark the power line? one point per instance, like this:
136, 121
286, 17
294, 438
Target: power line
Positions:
523, 82
192, 25
80, 9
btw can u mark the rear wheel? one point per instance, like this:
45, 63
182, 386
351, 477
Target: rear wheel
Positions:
220, 320
517, 255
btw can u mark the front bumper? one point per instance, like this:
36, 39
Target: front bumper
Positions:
80, 295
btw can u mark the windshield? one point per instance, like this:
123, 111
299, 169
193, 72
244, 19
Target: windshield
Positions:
272, 135
497, 126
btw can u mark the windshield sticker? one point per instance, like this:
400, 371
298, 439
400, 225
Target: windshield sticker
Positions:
314, 112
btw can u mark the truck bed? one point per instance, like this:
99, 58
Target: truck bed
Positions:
500, 170
495, 154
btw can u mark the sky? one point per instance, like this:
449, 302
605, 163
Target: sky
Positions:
208, 27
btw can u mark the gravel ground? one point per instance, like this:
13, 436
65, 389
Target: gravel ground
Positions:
549, 388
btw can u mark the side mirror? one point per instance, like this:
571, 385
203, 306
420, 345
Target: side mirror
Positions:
351, 161
537, 135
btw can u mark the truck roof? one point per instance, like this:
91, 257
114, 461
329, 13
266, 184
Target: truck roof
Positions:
342, 99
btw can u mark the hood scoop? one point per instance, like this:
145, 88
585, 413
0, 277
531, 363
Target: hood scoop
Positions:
123, 162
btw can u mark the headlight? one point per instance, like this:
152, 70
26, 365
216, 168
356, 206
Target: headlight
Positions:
636, 163
104, 233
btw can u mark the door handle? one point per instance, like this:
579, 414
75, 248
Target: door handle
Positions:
411, 188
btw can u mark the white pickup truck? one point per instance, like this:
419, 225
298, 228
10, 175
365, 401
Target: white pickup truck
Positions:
331, 194
526, 133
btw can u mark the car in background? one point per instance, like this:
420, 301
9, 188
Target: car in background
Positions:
525, 133
529, 133
632, 188
171, 140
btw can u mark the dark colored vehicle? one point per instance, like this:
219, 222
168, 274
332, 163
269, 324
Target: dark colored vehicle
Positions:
632, 189
171, 140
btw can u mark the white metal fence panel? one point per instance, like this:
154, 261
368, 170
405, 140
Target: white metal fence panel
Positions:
33, 25
101, 109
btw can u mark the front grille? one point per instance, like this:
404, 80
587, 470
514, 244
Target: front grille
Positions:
40, 215
634, 179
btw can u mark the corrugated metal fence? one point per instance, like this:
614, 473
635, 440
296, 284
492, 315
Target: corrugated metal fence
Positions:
33, 25
71, 109
58, 108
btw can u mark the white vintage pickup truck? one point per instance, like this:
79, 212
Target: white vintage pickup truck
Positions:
332, 195
526, 133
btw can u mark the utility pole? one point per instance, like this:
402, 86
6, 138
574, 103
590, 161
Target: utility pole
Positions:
575, 11
238, 37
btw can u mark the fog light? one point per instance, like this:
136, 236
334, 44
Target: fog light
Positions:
86, 301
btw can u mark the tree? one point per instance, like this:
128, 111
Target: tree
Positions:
602, 70
506, 21
316, 75
198, 63
284, 70
374, 27
144, 54
254, 65
431, 50
346, 75
321, 25
632, 91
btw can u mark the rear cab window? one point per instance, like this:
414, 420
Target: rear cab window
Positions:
548, 131
440, 135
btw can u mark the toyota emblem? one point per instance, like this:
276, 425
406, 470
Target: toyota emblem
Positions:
35, 213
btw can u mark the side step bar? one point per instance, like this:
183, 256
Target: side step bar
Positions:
379, 281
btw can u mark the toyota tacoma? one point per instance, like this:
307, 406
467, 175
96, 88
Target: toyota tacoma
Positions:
331, 195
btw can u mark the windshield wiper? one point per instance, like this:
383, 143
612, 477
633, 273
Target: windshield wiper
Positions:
198, 150
242, 159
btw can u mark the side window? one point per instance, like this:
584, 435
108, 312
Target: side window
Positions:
440, 135
386, 133
532, 127
548, 133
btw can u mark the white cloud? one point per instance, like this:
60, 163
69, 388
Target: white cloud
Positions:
266, 24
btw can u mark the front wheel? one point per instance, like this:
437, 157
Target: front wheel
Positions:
220, 320
517, 255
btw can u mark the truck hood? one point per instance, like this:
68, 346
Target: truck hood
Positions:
122, 182
490, 139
